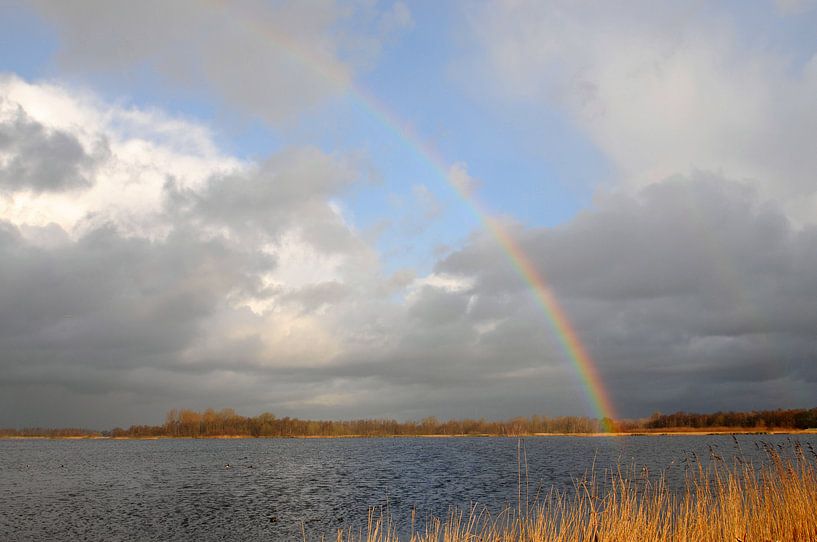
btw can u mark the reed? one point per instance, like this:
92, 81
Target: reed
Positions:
735, 502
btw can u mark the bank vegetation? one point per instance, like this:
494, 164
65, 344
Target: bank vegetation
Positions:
227, 423
737, 502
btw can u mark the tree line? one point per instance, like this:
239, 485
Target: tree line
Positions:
762, 419
226, 422
190, 423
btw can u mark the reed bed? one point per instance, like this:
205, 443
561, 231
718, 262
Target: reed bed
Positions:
730, 502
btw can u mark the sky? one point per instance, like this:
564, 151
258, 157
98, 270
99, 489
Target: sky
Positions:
345, 209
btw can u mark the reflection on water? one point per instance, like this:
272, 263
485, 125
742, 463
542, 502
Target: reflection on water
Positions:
271, 489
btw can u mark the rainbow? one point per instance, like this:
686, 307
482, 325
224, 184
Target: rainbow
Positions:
595, 392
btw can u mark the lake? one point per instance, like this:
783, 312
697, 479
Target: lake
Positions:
273, 488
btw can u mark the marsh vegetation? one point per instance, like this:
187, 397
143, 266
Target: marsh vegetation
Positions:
227, 423
728, 502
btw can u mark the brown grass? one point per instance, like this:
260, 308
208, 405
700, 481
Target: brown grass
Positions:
776, 501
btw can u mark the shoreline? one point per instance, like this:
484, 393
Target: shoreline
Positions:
641, 433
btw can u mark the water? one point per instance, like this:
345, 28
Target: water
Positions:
274, 488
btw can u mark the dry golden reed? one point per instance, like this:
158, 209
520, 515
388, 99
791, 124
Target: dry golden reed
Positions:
736, 502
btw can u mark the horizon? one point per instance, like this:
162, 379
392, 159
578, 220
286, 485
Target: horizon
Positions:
771, 419
395, 210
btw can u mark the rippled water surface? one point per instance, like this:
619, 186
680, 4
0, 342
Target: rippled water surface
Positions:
275, 488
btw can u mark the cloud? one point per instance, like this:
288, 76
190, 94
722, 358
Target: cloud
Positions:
315, 296
271, 59
39, 160
694, 293
176, 264
242, 284
92, 300
459, 177
695, 281
120, 157
664, 89
289, 190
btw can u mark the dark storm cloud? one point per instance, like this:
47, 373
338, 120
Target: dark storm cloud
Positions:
43, 160
691, 281
691, 294
102, 314
108, 301
108, 318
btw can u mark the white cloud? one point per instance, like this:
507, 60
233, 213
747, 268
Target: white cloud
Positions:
172, 256
268, 59
444, 281
663, 89
144, 150
459, 177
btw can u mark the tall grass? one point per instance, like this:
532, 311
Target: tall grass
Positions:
735, 502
